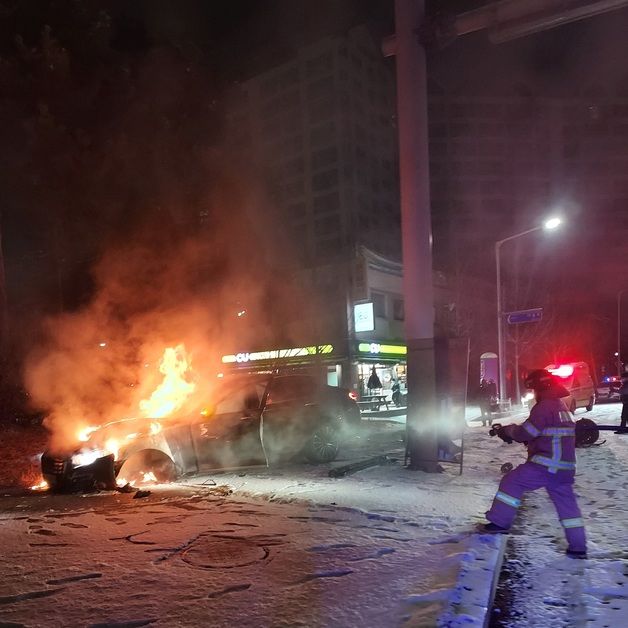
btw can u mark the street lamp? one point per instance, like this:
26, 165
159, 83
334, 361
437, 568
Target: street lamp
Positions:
548, 225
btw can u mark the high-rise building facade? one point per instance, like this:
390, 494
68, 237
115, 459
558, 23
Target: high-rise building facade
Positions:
500, 164
320, 129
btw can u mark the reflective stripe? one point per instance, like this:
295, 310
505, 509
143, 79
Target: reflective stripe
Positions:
553, 464
529, 427
577, 522
557, 450
508, 499
559, 431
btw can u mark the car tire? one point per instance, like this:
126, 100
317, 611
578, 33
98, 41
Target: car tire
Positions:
323, 445
589, 406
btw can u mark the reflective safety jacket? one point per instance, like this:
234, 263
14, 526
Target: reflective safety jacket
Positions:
550, 433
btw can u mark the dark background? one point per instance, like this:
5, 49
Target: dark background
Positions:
113, 126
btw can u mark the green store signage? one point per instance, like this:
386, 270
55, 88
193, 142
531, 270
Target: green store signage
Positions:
375, 348
277, 354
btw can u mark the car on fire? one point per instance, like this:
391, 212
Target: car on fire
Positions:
253, 420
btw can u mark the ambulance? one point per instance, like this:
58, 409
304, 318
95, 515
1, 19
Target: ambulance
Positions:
576, 378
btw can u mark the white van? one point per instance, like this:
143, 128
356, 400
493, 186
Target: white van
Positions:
575, 377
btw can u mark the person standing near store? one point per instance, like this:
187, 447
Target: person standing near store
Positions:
396, 392
374, 382
623, 396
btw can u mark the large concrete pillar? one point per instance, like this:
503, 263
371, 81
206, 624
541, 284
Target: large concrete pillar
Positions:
416, 231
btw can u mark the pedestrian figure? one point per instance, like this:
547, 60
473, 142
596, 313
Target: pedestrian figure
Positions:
374, 381
492, 391
485, 401
396, 393
549, 432
623, 396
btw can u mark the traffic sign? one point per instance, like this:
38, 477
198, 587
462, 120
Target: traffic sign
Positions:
525, 316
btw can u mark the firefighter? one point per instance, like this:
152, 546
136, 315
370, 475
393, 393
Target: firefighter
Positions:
549, 433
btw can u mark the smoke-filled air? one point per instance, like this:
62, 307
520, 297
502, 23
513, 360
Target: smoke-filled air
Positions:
149, 343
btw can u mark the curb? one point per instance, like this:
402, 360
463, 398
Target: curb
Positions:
472, 597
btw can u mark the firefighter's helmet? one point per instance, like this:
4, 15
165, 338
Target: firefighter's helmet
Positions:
540, 380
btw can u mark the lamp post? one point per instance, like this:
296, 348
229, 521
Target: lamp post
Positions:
618, 352
548, 225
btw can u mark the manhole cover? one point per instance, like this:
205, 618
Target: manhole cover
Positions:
216, 553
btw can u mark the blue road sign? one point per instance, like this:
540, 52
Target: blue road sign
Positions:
525, 316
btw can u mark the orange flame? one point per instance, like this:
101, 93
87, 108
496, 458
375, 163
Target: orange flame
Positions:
112, 446
83, 433
167, 398
148, 477
41, 486
175, 389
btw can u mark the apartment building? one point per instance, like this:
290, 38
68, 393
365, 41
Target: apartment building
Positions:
320, 129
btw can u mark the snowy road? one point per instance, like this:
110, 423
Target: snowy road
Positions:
191, 558
293, 547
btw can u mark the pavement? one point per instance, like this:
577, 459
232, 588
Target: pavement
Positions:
295, 547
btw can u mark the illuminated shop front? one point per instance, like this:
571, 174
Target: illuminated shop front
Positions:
321, 358
389, 361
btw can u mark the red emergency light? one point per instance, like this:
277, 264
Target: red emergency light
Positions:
563, 371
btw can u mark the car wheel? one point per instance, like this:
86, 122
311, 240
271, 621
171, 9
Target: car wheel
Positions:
323, 444
148, 465
589, 406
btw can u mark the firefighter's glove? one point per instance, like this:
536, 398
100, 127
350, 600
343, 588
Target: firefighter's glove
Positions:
501, 431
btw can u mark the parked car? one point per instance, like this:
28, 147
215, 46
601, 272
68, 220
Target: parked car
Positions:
608, 388
575, 377
251, 420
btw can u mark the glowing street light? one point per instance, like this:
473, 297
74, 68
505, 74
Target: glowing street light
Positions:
548, 225
552, 223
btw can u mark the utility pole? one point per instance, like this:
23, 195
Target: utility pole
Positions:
505, 20
416, 232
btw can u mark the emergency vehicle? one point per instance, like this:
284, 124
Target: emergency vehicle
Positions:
576, 378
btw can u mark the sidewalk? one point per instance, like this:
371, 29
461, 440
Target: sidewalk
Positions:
592, 592
473, 415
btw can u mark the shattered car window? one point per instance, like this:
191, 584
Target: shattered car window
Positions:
239, 396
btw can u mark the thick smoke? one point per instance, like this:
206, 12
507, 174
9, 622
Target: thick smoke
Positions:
98, 363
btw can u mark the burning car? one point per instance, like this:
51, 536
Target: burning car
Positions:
252, 420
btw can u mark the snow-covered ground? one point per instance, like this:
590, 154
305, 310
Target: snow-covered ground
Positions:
545, 588
192, 558
294, 547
